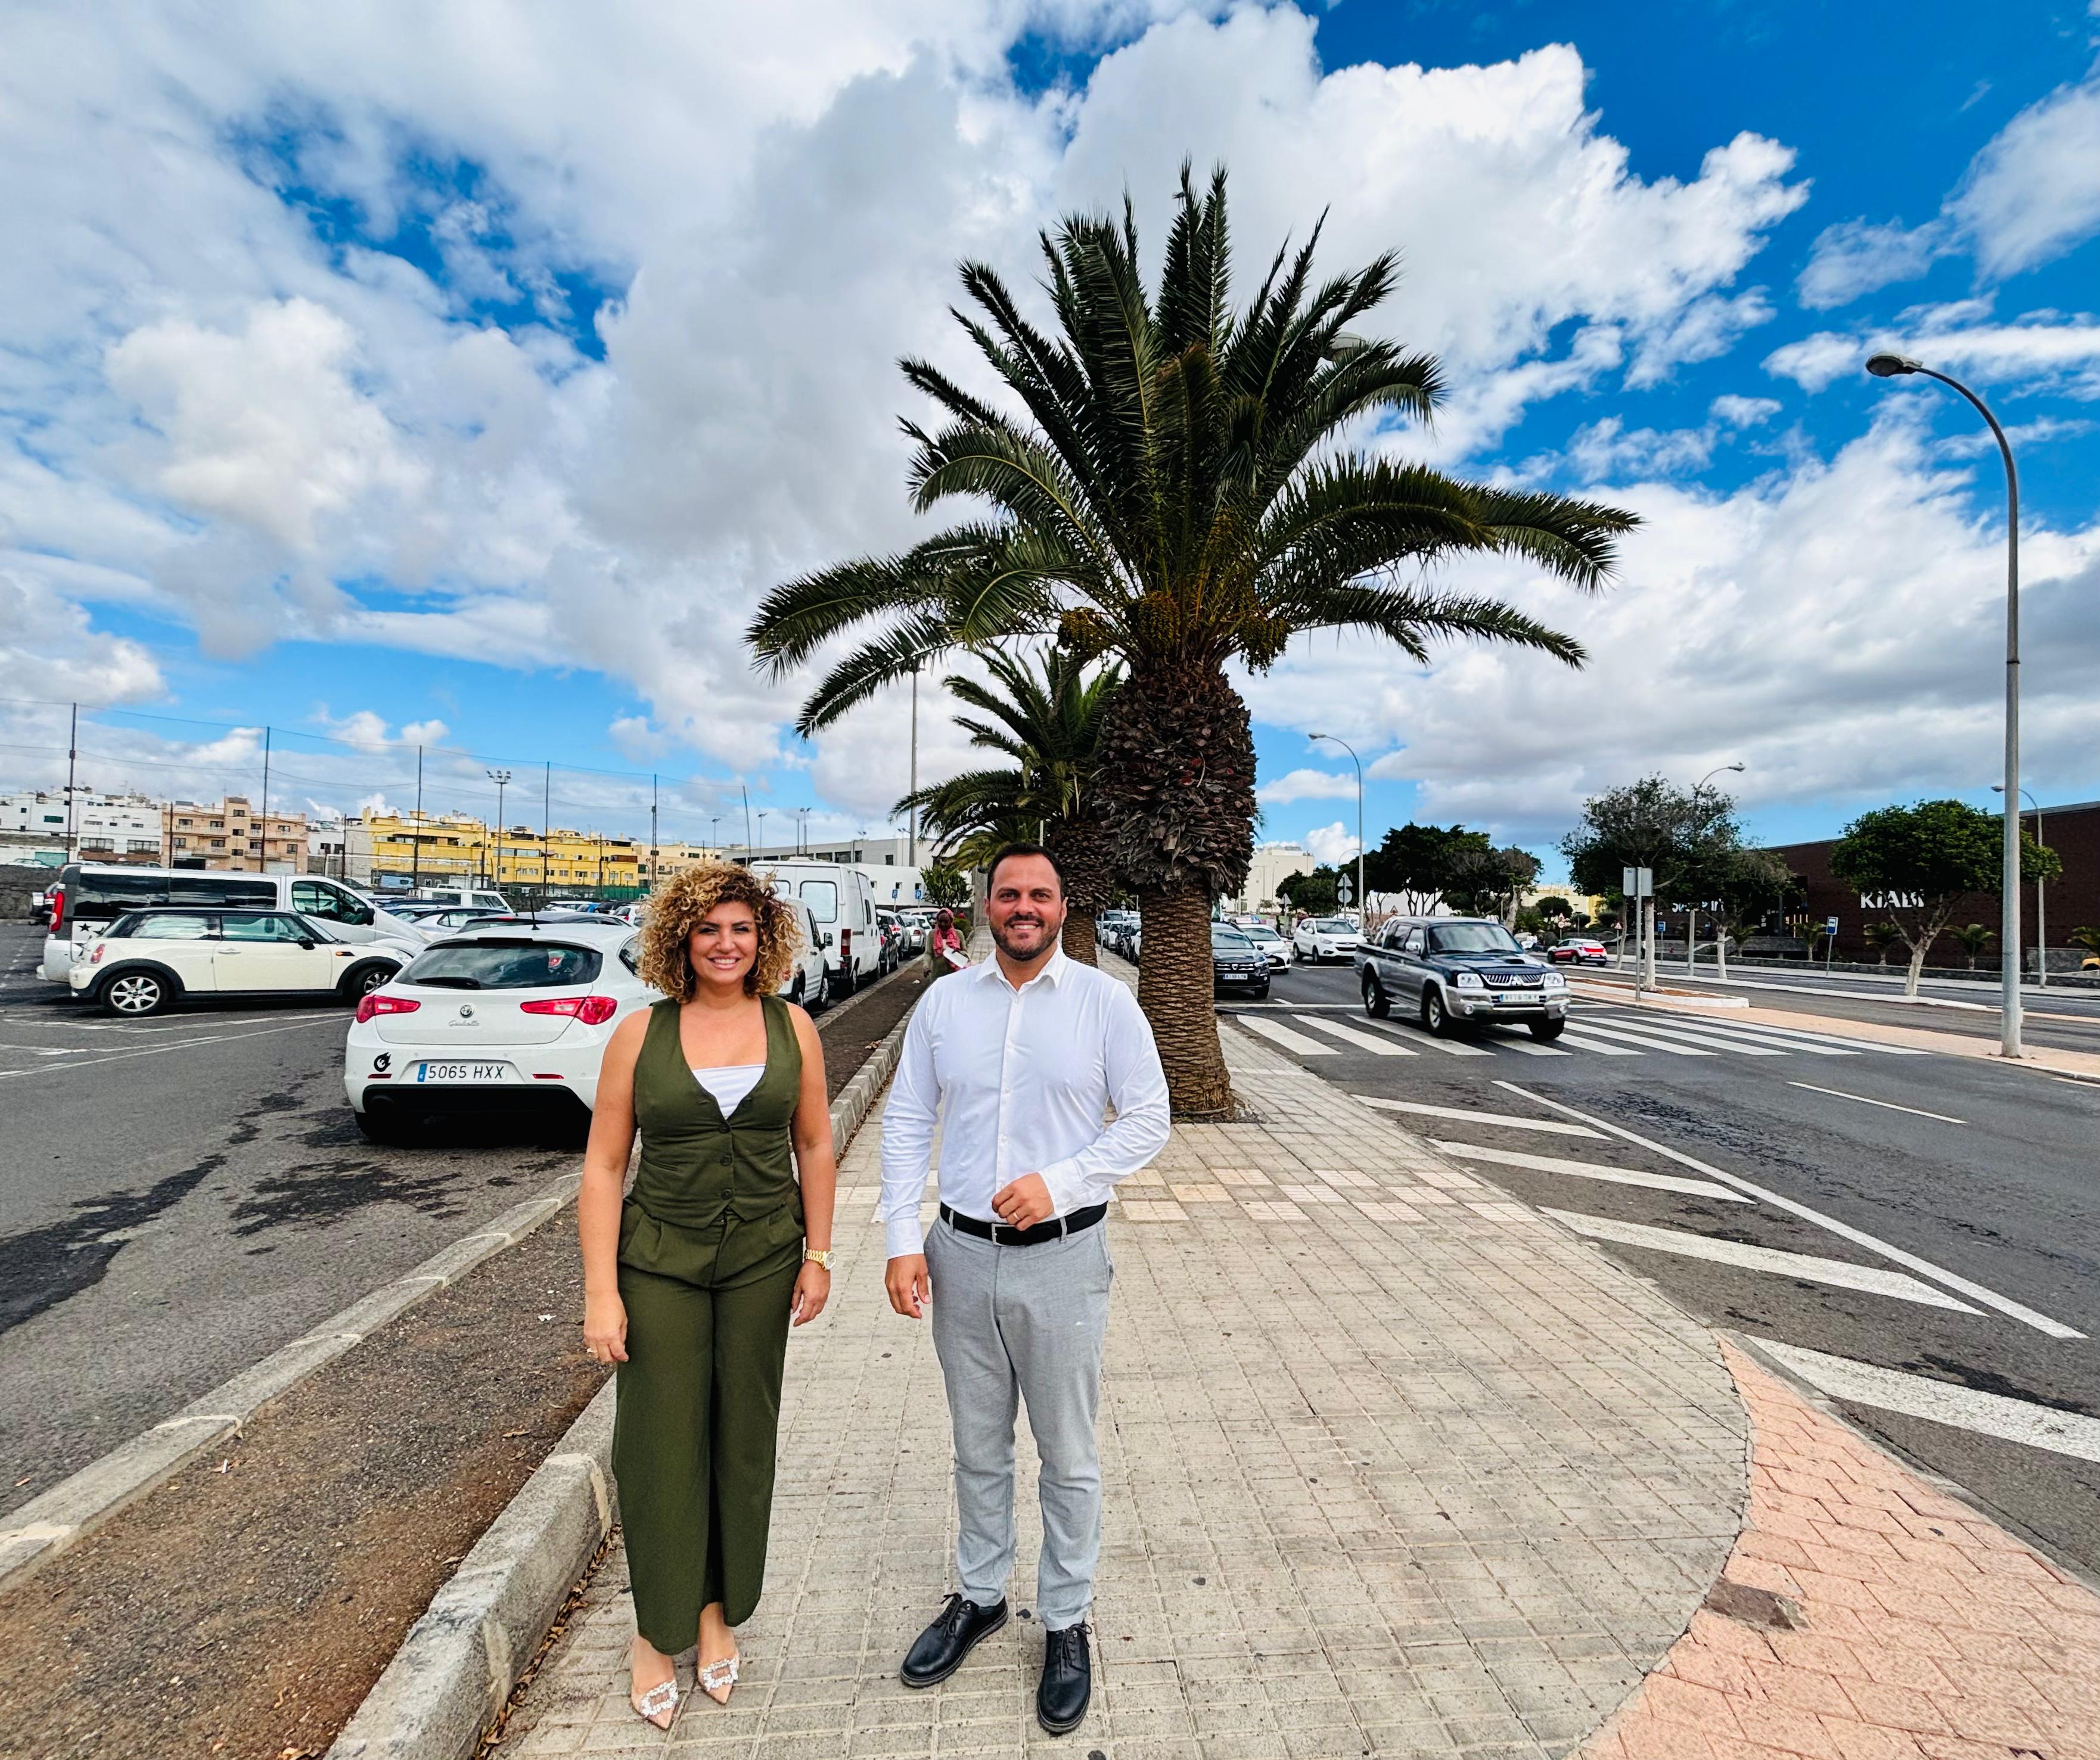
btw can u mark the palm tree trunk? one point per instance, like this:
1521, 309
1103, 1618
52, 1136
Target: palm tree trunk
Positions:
1174, 969
1077, 939
1080, 846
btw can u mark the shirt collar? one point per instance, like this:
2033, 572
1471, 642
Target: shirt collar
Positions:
1052, 970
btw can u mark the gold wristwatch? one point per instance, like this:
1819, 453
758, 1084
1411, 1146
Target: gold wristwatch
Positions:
811, 1256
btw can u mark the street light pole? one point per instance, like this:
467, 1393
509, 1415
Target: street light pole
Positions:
502, 778
914, 765
1894, 366
1692, 911
1363, 899
2042, 904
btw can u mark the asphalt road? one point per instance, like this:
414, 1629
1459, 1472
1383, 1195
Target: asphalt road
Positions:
180, 1196
1986, 1174
2059, 1014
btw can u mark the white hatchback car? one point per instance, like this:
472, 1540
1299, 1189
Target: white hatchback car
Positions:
148, 960
1273, 946
1324, 937
507, 1020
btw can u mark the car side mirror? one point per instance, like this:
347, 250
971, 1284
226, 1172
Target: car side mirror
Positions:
307, 942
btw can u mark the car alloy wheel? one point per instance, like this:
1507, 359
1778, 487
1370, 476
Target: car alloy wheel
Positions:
372, 978
1435, 1017
1377, 1004
136, 993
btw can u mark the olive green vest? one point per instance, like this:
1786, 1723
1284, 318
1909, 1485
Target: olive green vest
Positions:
696, 1165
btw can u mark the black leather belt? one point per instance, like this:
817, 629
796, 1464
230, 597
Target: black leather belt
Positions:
1001, 1235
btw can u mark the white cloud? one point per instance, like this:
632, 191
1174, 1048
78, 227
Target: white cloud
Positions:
1330, 845
1837, 626
2030, 195
2063, 351
1306, 785
1742, 412
430, 732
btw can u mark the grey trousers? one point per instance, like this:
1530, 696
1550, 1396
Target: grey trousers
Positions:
1014, 1323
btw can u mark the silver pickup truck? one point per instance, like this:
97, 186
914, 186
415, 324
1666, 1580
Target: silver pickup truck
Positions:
1451, 972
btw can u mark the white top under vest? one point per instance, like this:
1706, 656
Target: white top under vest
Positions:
729, 1082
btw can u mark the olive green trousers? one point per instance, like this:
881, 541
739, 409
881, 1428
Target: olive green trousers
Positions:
699, 1412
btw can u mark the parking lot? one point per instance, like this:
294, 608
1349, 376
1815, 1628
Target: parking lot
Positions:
180, 1196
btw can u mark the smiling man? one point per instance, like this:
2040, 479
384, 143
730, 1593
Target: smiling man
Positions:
1018, 1061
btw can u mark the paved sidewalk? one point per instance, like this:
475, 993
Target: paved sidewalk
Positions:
1393, 1465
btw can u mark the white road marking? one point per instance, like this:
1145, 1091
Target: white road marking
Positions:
1378, 1045
1592, 1170
1530, 1047
1647, 1041
1671, 1032
1838, 1273
1597, 1046
1987, 1415
1279, 1034
1887, 1105
1552, 1126
1976, 1292
1729, 1032
1806, 1037
1416, 1036
154, 1051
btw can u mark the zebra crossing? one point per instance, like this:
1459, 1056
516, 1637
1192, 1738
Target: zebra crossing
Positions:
1594, 1030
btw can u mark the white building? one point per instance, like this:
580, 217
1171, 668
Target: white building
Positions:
1272, 864
104, 827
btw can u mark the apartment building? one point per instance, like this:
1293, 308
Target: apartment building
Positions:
104, 827
232, 835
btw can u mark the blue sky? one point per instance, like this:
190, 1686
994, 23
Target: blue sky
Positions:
420, 392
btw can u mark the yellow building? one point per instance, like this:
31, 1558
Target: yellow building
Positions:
449, 848
673, 859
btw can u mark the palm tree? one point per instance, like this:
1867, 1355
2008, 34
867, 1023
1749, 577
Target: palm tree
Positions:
1049, 721
1180, 493
1973, 939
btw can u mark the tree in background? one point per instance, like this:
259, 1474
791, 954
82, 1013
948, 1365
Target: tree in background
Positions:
1555, 910
1915, 865
1314, 894
1882, 937
1180, 485
1973, 939
947, 887
1418, 862
1747, 888
1047, 718
1689, 838
1486, 882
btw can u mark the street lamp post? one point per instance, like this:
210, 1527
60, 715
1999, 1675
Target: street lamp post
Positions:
1692, 911
1894, 366
2042, 904
502, 778
1363, 899
914, 765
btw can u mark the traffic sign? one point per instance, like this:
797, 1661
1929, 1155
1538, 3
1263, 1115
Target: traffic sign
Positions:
1639, 883
1344, 891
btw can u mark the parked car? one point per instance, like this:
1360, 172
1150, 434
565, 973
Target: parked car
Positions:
1317, 939
1579, 950
1110, 926
1273, 948
841, 898
917, 925
89, 896
1458, 971
1238, 967
450, 917
147, 961
892, 928
507, 1020
40, 906
809, 984
483, 897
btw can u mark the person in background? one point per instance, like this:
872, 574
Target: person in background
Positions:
946, 940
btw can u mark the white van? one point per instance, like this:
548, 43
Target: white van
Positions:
841, 900
90, 895
467, 898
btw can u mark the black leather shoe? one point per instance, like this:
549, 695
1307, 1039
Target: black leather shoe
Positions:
1068, 1680
957, 1630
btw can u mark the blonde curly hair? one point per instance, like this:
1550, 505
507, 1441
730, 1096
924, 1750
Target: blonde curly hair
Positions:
683, 905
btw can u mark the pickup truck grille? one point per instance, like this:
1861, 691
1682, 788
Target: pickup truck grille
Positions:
1511, 980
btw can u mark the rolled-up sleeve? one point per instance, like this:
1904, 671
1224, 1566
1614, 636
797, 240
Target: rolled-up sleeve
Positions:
1137, 1090
913, 1109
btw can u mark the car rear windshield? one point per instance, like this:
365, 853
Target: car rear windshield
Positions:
1472, 938
517, 964
1231, 940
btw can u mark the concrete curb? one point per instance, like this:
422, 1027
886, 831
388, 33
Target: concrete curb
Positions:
455, 1670
48, 1523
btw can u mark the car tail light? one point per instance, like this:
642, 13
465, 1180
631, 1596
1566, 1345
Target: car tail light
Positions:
95, 958
846, 946
375, 1003
57, 909
593, 1011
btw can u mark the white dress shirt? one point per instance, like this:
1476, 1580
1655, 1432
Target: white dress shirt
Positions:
1020, 1082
